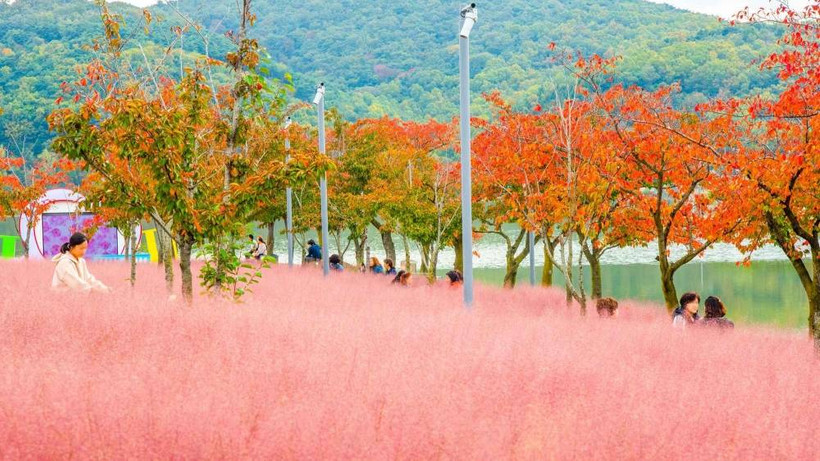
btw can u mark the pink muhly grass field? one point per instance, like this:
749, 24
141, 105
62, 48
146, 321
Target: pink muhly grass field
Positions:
353, 368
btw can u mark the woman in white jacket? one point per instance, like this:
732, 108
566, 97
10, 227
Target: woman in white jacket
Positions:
71, 273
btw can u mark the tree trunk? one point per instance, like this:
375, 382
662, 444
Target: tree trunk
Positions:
511, 275
425, 254
303, 247
219, 266
167, 254
271, 237
432, 265
593, 256
27, 242
133, 254
595, 273
581, 292
670, 294
547, 271
161, 243
567, 267
185, 247
359, 244
337, 236
514, 260
814, 302
127, 248
458, 246
811, 285
389, 245
406, 252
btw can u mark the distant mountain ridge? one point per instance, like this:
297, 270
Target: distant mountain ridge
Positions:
398, 57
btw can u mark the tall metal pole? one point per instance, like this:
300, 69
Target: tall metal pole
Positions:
289, 199
323, 188
531, 243
467, 14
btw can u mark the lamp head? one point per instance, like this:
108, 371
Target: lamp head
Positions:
320, 94
288, 122
469, 16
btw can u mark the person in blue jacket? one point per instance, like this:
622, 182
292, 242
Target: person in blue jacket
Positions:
389, 267
314, 252
375, 266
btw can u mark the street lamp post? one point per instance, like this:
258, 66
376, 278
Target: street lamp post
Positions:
469, 16
319, 102
289, 196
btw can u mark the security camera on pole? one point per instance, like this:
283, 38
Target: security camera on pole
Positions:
289, 196
319, 102
469, 16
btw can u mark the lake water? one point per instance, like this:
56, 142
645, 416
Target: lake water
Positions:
767, 292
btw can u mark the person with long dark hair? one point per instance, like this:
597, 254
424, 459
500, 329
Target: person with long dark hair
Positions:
71, 272
455, 278
687, 312
397, 278
261, 249
375, 266
716, 314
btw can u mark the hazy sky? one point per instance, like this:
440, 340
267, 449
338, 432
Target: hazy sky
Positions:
723, 8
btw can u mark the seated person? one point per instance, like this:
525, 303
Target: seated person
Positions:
716, 314
375, 266
455, 278
606, 307
261, 249
314, 252
71, 272
336, 263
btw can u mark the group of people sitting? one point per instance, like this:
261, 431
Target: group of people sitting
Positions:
258, 248
374, 266
399, 276
686, 314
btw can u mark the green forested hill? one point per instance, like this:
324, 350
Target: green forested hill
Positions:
399, 57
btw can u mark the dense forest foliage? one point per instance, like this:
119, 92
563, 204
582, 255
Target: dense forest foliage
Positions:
388, 57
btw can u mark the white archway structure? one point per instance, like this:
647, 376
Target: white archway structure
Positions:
64, 215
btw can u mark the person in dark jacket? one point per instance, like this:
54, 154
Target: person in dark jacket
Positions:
314, 252
716, 314
455, 277
389, 267
687, 313
397, 278
251, 253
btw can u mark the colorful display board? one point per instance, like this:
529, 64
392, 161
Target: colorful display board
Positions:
63, 216
58, 227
